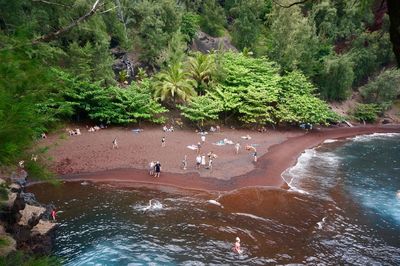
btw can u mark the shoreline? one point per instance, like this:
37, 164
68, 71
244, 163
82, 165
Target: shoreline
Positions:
267, 171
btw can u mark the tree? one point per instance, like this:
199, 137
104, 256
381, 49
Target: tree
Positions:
201, 68
200, 109
190, 25
174, 83
292, 40
384, 89
393, 7
212, 18
336, 78
154, 23
247, 24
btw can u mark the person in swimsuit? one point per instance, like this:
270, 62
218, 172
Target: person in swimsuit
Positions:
236, 247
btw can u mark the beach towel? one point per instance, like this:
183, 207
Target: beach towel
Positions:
192, 147
219, 143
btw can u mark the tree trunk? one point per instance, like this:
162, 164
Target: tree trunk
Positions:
394, 16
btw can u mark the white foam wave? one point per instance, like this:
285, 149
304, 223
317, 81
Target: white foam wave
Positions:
364, 138
330, 140
153, 205
321, 224
251, 216
214, 202
304, 176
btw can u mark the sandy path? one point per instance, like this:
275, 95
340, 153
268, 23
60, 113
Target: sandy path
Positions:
91, 157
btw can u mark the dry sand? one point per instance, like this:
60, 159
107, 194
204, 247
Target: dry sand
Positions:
90, 156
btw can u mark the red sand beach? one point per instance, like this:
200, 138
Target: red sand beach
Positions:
90, 156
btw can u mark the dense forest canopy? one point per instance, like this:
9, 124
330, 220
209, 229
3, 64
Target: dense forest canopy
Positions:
128, 61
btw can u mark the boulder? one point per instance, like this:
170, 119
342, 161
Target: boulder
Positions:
30, 215
43, 228
205, 43
15, 188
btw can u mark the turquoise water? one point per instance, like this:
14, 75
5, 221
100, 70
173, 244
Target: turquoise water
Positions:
342, 209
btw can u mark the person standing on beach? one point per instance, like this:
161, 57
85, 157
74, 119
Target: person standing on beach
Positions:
198, 161
198, 147
115, 144
203, 138
237, 147
203, 160
184, 163
157, 168
210, 163
255, 155
163, 142
151, 167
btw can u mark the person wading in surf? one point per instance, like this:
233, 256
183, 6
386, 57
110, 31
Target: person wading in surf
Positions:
236, 248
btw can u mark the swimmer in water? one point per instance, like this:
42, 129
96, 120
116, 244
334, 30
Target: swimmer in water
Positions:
237, 248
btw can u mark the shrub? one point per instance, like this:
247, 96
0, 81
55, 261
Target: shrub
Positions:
366, 112
384, 89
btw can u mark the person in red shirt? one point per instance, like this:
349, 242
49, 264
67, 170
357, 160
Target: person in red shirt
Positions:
53, 214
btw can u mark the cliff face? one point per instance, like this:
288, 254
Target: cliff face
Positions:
24, 223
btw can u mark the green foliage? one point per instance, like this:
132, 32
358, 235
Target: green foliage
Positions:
255, 93
337, 78
174, 53
292, 40
155, 22
370, 51
173, 83
384, 89
366, 112
201, 69
23, 259
213, 18
247, 25
298, 104
24, 82
38, 172
111, 105
190, 25
201, 108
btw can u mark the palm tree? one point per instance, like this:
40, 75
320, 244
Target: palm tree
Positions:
201, 69
174, 83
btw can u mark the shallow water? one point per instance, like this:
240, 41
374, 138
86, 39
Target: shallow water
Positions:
342, 209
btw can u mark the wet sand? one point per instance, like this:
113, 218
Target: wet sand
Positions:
91, 157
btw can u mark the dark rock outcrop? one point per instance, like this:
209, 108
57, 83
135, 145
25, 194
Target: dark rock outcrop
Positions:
205, 43
123, 65
24, 223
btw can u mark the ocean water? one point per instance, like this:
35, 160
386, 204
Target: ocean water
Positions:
341, 209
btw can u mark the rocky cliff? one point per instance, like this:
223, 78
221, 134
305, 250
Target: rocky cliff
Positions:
24, 223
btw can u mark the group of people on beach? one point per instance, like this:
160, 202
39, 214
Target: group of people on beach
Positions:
155, 168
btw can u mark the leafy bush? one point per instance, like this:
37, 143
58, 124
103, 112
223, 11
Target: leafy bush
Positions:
111, 105
366, 112
190, 25
384, 89
200, 109
255, 93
